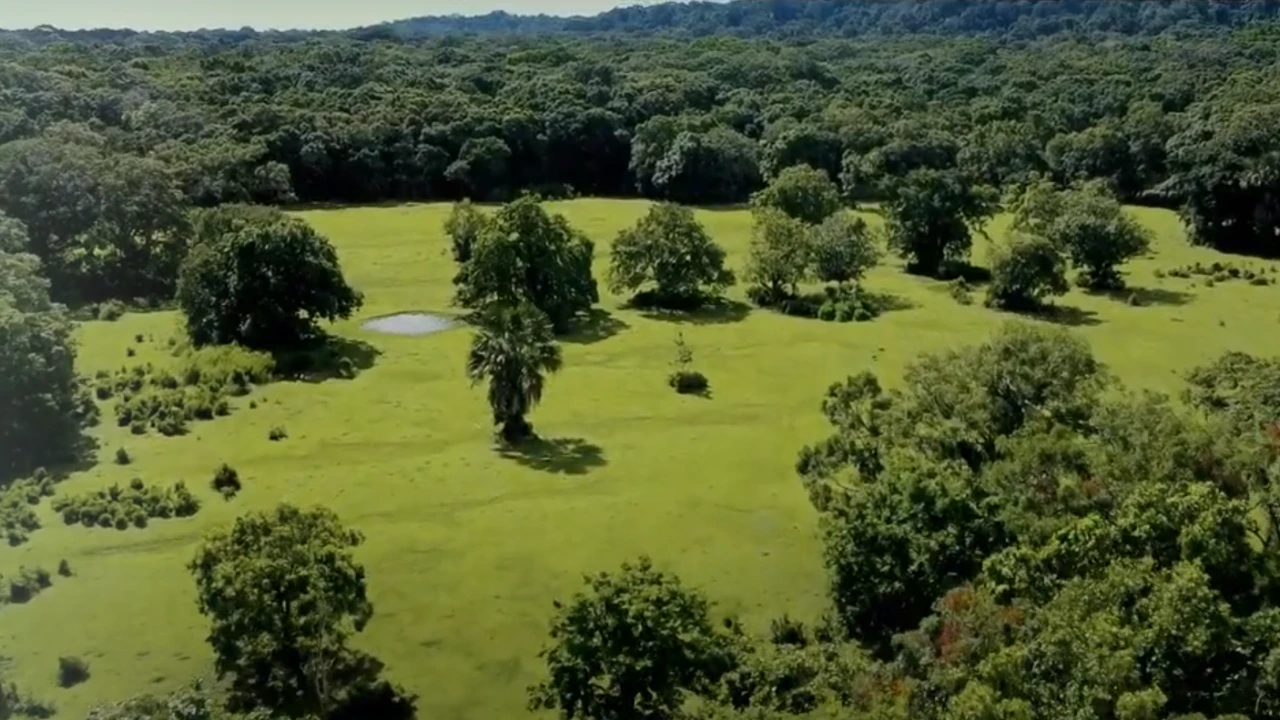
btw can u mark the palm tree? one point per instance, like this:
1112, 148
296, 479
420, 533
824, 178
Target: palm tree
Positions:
514, 349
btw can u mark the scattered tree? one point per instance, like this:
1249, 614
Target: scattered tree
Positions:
265, 285
514, 349
629, 648
1024, 271
670, 249
527, 255
684, 379
931, 215
779, 259
803, 193
1088, 224
464, 227
284, 595
842, 249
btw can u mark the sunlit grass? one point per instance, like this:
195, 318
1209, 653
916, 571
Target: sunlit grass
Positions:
467, 547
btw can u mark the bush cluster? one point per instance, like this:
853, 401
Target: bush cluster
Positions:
688, 382
72, 671
15, 704
17, 516
121, 507
836, 303
197, 388
1222, 272
226, 481
27, 584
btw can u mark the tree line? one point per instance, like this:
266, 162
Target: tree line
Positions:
105, 138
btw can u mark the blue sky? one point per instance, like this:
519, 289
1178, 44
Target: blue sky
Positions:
263, 14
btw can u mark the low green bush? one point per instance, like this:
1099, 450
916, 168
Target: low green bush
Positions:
72, 671
64, 568
27, 584
226, 481
111, 310
17, 515
121, 507
277, 434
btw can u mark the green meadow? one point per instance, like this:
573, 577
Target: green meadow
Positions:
467, 547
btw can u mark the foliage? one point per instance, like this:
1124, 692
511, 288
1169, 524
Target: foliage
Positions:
43, 406
1089, 226
629, 646
17, 506
226, 480
527, 255
684, 379
28, 583
193, 702
514, 349
265, 285
465, 226
801, 192
669, 248
72, 671
842, 249
277, 434
779, 257
930, 216
197, 387
121, 507
283, 596
1024, 272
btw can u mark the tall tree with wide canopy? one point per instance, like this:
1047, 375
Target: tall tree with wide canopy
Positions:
931, 216
528, 255
669, 248
284, 595
264, 284
514, 350
802, 192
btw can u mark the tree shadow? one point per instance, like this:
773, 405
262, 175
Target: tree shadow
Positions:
888, 302
331, 357
596, 325
1063, 315
1148, 296
719, 311
561, 456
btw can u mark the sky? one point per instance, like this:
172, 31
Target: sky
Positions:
267, 14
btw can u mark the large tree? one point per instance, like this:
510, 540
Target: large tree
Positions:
632, 646
284, 595
514, 349
842, 249
1025, 270
669, 248
528, 255
266, 283
931, 216
1086, 223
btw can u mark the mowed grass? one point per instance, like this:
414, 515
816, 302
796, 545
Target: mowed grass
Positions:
467, 548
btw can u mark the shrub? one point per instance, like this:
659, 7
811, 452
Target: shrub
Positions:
139, 338
72, 671
961, 291
122, 457
111, 310
1260, 281
24, 586
226, 481
119, 507
122, 522
277, 434
130, 352
688, 382
42, 578
103, 391
64, 568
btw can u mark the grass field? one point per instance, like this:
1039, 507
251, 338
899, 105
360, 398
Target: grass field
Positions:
466, 548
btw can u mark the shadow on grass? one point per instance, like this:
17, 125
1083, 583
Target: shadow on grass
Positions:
330, 357
1064, 315
561, 456
595, 326
719, 311
1148, 296
888, 302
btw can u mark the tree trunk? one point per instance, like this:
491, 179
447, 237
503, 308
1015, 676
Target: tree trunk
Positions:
516, 429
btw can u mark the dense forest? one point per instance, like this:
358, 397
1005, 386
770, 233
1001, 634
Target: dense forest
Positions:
1008, 534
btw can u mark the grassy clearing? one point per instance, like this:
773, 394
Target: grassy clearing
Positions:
467, 547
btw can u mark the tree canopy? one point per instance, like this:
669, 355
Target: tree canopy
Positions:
671, 250
261, 279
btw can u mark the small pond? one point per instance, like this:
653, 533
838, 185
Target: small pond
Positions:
411, 324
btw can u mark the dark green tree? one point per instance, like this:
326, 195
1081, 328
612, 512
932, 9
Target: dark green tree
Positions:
801, 192
842, 249
931, 216
514, 350
632, 646
528, 255
669, 248
284, 595
465, 226
779, 256
1025, 270
1088, 224
267, 284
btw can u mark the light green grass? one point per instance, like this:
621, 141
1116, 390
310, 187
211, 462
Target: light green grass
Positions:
467, 549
